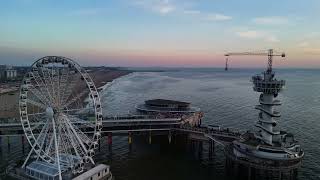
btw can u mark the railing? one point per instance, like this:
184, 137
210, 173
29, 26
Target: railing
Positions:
210, 130
273, 86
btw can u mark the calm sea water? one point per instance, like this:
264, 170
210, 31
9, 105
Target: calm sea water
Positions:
226, 98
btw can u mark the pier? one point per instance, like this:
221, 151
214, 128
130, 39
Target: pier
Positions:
124, 125
63, 134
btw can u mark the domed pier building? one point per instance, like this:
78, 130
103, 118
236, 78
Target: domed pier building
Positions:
165, 106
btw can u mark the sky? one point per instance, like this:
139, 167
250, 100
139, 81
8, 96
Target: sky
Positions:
164, 33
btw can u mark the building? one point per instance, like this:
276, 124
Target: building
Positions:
101, 171
267, 152
166, 106
7, 73
42, 170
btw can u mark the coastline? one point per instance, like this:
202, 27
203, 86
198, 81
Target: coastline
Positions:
9, 101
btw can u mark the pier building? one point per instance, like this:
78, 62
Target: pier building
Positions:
162, 106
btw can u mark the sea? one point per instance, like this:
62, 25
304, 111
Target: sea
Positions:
226, 98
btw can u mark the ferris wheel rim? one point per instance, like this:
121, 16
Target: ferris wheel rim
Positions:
33, 141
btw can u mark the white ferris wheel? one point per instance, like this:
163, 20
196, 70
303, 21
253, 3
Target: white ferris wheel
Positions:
60, 113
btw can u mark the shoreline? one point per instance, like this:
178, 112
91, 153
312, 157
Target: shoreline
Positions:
9, 101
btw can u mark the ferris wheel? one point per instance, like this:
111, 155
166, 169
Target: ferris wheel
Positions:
60, 112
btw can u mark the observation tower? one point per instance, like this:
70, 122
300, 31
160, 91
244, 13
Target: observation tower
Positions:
267, 152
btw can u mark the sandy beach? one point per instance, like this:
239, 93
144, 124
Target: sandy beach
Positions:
9, 101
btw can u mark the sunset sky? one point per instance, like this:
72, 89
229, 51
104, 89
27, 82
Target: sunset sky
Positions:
170, 33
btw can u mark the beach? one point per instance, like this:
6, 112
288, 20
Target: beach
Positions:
9, 99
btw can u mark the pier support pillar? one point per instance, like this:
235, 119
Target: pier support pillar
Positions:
99, 144
22, 142
129, 138
8, 141
169, 137
130, 141
200, 149
280, 175
211, 148
150, 139
109, 141
249, 173
236, 169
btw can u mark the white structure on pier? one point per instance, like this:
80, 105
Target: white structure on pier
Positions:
269, 88
268, 142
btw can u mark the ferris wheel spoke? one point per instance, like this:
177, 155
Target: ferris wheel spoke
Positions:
78, 150
42, 86
62, 84
73, 111
55, 76
77, 120
37, 114
59, 87
47, 83
36, 126
38, 104
68, 141
68, 83
49, 148
40, 96
50, 74
75, 134
75, 98
41, 135
64, 145
37, 118
83, 136
43, 138
56, 147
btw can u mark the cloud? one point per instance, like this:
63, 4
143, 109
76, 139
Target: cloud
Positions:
85, 12
252, 34
249, 34
312, 35
162, 7
273, 20
217, 17
192, 12
303, 44
271, 38
165, 7
312, 51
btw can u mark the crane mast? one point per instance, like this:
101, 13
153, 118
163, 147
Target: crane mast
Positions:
226, 68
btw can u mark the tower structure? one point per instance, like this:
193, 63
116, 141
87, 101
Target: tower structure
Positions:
269, 87
269, 150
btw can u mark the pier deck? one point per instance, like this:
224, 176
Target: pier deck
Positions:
124, 125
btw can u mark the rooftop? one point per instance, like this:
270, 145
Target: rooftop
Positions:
86, 175
166, 102
44, 168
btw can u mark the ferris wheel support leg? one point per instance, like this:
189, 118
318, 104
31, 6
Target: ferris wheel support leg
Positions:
56, 148
25, 161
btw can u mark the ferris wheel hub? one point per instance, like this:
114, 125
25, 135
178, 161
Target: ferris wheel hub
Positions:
49, 112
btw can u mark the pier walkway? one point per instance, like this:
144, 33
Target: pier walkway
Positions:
127, 124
